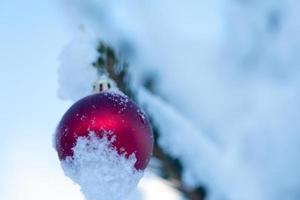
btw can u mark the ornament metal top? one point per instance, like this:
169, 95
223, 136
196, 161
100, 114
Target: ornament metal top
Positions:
103, 84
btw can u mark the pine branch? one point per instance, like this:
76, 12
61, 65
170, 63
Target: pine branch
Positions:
171, 167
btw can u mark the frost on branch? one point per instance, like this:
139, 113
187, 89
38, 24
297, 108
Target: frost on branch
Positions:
100, 170
203, 161
76, 73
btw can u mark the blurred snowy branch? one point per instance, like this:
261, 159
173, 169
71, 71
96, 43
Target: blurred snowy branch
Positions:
202, 161
225, 99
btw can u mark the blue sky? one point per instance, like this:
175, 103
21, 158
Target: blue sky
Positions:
32, 34
31, 37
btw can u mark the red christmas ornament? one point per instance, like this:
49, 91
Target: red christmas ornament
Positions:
107, 112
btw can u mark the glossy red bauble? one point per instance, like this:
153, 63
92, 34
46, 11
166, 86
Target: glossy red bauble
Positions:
107, 112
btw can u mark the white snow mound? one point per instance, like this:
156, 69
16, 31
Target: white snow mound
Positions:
100, 170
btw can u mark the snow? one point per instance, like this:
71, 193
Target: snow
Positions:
76, 75
200, 157
100, 171
226, 87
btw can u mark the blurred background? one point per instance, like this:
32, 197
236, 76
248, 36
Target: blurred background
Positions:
226, 70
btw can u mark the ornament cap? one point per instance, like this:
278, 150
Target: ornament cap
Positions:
103, 83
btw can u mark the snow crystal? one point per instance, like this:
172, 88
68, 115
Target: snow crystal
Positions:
100, 171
